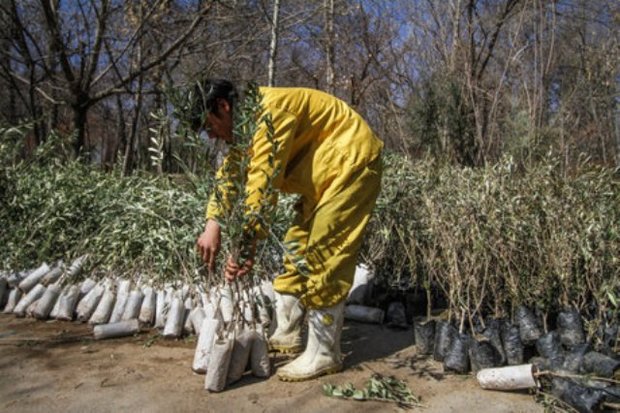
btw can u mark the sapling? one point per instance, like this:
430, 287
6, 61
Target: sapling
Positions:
570, 328
88, 304
196, 317
118, 329
212, 311
76, 266
219, 361
160, 316
204, 298
148, 309
47, 301
493, 332
208, 332
513, 346
482, 355
239, 224
85, 287
14, 279
226, 302
68, 300
106, 305
54, 274
259, 355
56, 308
133, 304
32, 306
549, 345
240, 354
188, 305
33, 295
34, 278
240, 220
175, 318
444, 334
424, 334
122, 294
457, 356
185, 293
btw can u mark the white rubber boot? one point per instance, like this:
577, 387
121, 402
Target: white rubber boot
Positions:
289, 316
322, 355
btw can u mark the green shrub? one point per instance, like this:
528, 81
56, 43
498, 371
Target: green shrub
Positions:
486, 239
492, 238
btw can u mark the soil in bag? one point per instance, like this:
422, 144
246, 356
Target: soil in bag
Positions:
483, 355
493, 332
148, 307
570, 328
424, 336
541, 363
444, 334
612, 394
457, 356
396, 315
259, 355
122, 294
583, 399
219, 361
208, 333
132, 305
549, 346
240, 356
68, 301
529, 328
600, 365
118, 329
610, 335
47, 302
174, 320
4, 288
14, 296
513, 347
573, 360
104, 308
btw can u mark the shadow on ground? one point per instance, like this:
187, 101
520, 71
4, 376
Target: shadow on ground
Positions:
367, 342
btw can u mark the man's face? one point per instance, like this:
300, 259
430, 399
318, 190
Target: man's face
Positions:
220, 125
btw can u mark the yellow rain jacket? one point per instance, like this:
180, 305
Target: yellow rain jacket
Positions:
330, 156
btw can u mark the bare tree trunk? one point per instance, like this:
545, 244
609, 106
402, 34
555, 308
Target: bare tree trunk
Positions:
80, 114
121, 132
328, 10
456, 35
615, 112
131, 147
273, 47
33, 108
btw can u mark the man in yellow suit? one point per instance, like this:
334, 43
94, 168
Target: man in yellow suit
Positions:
331, 158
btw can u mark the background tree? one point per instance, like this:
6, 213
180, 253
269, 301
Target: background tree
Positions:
466, 80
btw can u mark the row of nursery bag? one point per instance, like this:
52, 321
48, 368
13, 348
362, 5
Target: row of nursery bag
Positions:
49, 292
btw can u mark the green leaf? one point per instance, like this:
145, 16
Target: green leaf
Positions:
359, 395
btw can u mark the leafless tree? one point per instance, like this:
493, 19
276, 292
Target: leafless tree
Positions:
67, 61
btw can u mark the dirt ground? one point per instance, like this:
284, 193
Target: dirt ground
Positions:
57, 367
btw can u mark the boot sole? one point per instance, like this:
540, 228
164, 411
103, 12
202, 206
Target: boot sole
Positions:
285, 349
316, 374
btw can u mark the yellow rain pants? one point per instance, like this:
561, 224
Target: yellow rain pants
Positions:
328, 155
329, 241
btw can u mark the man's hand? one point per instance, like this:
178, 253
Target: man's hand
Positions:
234, 270
209, 243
